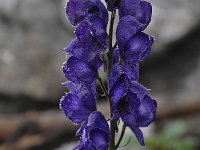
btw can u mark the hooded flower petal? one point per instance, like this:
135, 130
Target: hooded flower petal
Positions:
75, 49
146, 112
78, 71
83, 31
78, 10
99, 138
99, 30
119, 69
82, 90
86, 93
92, 38
141, 10
127, 27
137, 48
77, 110
97, 8
75, 11
98, 121
95, 132
119, 89
91, 28
128, 7
143, 13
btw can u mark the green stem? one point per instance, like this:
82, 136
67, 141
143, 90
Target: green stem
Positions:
112, 130
121, 136
109, 66
103, 86
110, 53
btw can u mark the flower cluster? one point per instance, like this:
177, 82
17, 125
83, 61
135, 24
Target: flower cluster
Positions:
90, 19
129, 100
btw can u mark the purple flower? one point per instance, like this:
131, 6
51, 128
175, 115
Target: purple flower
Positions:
91, 39
82, 90
78, 104
119, 69
145, 115
127, 27
131, 103
79, 71
78, 10
95, 133
141, 10
134, 45
137, 48
146, 111
129, 99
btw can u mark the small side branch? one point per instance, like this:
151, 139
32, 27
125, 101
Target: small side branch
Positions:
121, 136
103, 86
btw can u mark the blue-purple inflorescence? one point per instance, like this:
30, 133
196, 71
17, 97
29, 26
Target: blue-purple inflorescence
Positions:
91, 49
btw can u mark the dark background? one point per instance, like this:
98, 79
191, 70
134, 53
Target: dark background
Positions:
32, 34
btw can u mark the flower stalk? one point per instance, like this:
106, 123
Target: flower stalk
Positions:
128, 99
110, 37
109, 66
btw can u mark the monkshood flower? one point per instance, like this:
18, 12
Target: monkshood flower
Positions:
134, 45
137, 48
95, 133
127, 27
79, 71
93, 48
80, 102
91, 18
119, 69
78, 10
139, 9
131, 103
91, 39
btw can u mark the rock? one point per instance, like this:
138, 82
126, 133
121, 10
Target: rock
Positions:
33, 32
172, 19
